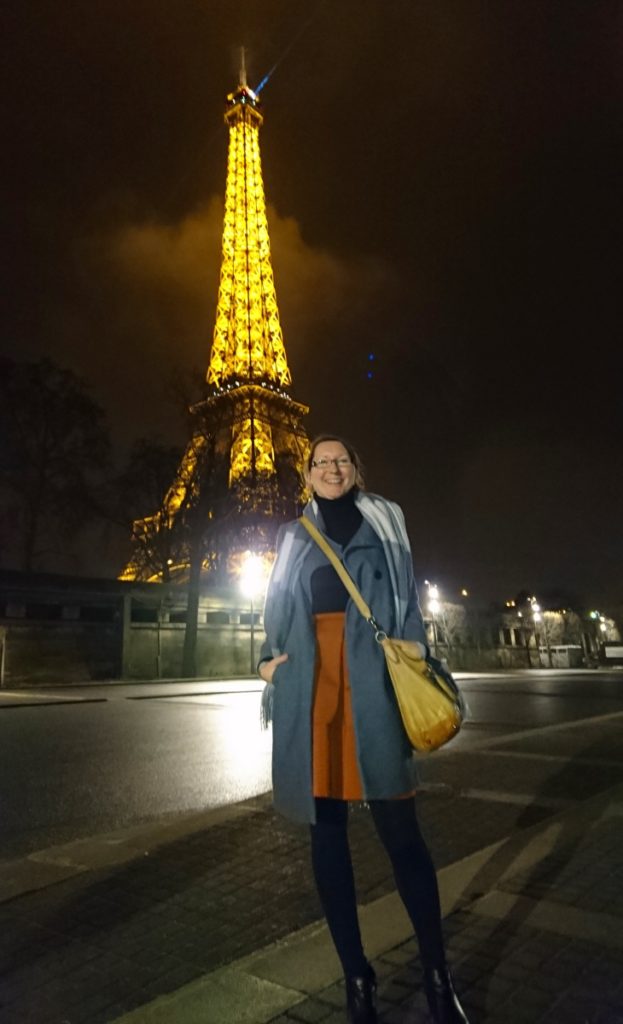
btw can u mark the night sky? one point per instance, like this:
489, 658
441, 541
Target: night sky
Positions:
443, 181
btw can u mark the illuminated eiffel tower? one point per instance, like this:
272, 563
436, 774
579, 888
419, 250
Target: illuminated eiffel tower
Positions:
248, 444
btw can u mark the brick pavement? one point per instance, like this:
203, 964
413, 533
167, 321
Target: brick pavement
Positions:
100, 945
507, 970
189, 907
570, 980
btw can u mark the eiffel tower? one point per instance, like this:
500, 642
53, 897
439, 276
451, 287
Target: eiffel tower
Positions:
243, 462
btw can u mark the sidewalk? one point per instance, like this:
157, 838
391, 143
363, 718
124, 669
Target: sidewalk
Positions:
94, 692
213, 918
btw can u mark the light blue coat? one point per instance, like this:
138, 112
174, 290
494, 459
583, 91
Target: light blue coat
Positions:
386, 764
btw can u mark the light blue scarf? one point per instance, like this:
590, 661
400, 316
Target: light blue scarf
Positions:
387, 521
385, 518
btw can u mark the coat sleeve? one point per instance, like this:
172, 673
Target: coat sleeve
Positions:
414, 628
270, 648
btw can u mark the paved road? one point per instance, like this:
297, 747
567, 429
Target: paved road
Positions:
109, 760
84, 760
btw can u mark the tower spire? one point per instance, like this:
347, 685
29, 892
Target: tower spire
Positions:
248, 341
248, 424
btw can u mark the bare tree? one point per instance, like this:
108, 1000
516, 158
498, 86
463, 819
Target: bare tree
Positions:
55, 446
136, 499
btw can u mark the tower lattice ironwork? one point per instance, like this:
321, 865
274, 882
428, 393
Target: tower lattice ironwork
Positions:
242, 464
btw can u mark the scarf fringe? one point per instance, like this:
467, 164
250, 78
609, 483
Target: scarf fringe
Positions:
266, 707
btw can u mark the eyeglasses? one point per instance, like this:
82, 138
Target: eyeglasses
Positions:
324, 463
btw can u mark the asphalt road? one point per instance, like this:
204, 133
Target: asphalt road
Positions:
85, 760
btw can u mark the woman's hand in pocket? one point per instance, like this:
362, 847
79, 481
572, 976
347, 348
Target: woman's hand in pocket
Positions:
267, 668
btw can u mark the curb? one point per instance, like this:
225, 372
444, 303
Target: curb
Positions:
46, 867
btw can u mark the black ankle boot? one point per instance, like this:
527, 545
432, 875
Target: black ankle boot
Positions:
443, 1001
361, 998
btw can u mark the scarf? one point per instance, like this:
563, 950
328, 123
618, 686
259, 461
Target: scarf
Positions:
386, 519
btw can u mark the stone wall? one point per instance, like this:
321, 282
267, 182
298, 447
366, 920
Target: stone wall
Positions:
43, 652
59, 629
155, 652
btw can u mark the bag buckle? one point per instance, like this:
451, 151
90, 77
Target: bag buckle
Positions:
379, 634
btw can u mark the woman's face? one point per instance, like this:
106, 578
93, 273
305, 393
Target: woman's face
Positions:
332, 473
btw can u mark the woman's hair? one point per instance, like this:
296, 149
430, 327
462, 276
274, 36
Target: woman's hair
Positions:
352, 454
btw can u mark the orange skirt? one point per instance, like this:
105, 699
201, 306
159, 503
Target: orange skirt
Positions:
335, 768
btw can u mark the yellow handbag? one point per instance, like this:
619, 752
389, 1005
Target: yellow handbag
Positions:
428, 698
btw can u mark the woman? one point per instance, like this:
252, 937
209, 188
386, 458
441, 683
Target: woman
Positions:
337, 731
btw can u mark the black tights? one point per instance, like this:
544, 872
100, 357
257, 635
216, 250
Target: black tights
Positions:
397, 826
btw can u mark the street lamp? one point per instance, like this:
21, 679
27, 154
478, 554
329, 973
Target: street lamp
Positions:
601, 629
433, 606
525, 629
252, 583
536, 614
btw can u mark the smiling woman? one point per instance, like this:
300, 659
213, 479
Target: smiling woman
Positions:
337, 731
333, 468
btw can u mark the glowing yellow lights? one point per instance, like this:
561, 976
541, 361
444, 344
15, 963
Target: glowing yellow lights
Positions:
248, 413
248, 341
186, 476
248, 358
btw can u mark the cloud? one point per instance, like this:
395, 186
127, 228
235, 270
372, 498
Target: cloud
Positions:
176, 266
314, 285
153, 290
172, 258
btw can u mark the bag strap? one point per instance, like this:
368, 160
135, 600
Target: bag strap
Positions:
344, 575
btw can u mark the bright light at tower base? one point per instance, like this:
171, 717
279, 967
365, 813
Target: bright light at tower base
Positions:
253, 575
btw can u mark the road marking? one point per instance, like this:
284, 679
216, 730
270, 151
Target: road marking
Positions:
195, 695
541, 730
23, 700
591, 762
574, 922
499, 796
502, 796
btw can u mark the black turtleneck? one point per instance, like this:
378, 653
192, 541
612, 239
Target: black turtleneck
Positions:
342, 519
